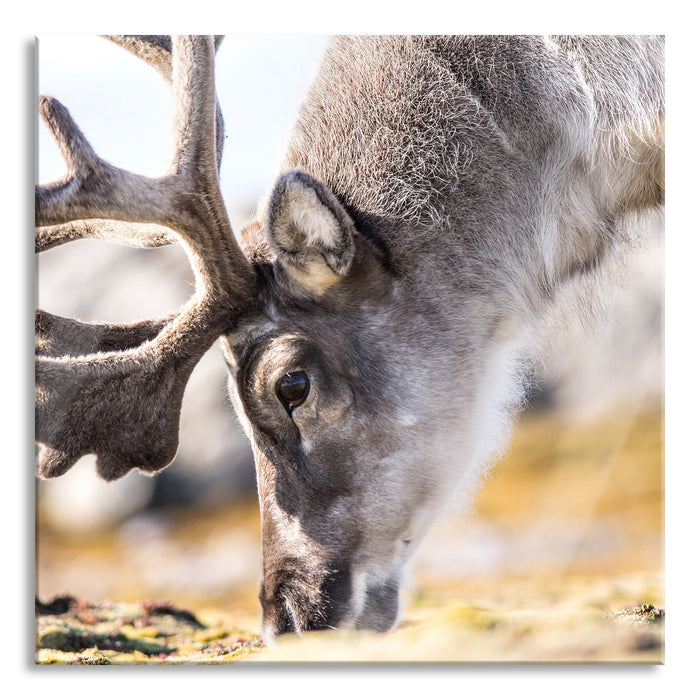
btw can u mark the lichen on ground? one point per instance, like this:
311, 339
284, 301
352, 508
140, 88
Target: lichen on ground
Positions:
642, 614
565, 623
73, 631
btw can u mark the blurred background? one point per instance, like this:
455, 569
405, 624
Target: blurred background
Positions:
581, 490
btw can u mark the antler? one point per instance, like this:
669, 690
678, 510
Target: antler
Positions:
116, 390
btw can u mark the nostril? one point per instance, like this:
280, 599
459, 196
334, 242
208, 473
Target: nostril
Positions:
291, 622
278, 614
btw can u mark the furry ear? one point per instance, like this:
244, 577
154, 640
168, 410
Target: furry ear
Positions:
310, 232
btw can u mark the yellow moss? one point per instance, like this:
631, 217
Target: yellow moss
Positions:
466, 615
209, 635
51, 656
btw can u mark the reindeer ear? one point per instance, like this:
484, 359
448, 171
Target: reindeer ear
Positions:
309, 230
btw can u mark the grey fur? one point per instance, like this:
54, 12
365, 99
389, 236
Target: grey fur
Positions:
436, 195
481, 175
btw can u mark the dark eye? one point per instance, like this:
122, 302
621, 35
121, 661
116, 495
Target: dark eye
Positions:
292, 389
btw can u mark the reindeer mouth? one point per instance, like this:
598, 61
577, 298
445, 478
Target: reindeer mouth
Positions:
297, 605
295, 600
381, 606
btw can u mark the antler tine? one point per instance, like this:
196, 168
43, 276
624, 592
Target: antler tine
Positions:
82, 166
92, 188
156, 50
79, 157
116, 391
127, 233
204, 226
57, 336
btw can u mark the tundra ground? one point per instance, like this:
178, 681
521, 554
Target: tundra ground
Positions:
560, 560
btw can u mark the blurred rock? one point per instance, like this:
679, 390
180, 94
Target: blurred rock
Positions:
79, 503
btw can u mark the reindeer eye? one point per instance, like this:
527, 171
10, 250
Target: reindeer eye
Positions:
292, 389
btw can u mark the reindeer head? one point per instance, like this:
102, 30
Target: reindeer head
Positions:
327, 372
341, 414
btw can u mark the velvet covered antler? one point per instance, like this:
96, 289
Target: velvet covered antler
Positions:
116, 390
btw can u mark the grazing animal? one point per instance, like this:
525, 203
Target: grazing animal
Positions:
436, 195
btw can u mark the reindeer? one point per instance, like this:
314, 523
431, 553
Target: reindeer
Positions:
436, 195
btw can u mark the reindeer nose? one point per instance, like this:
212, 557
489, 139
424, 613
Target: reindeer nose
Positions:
285, 620
297, 600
